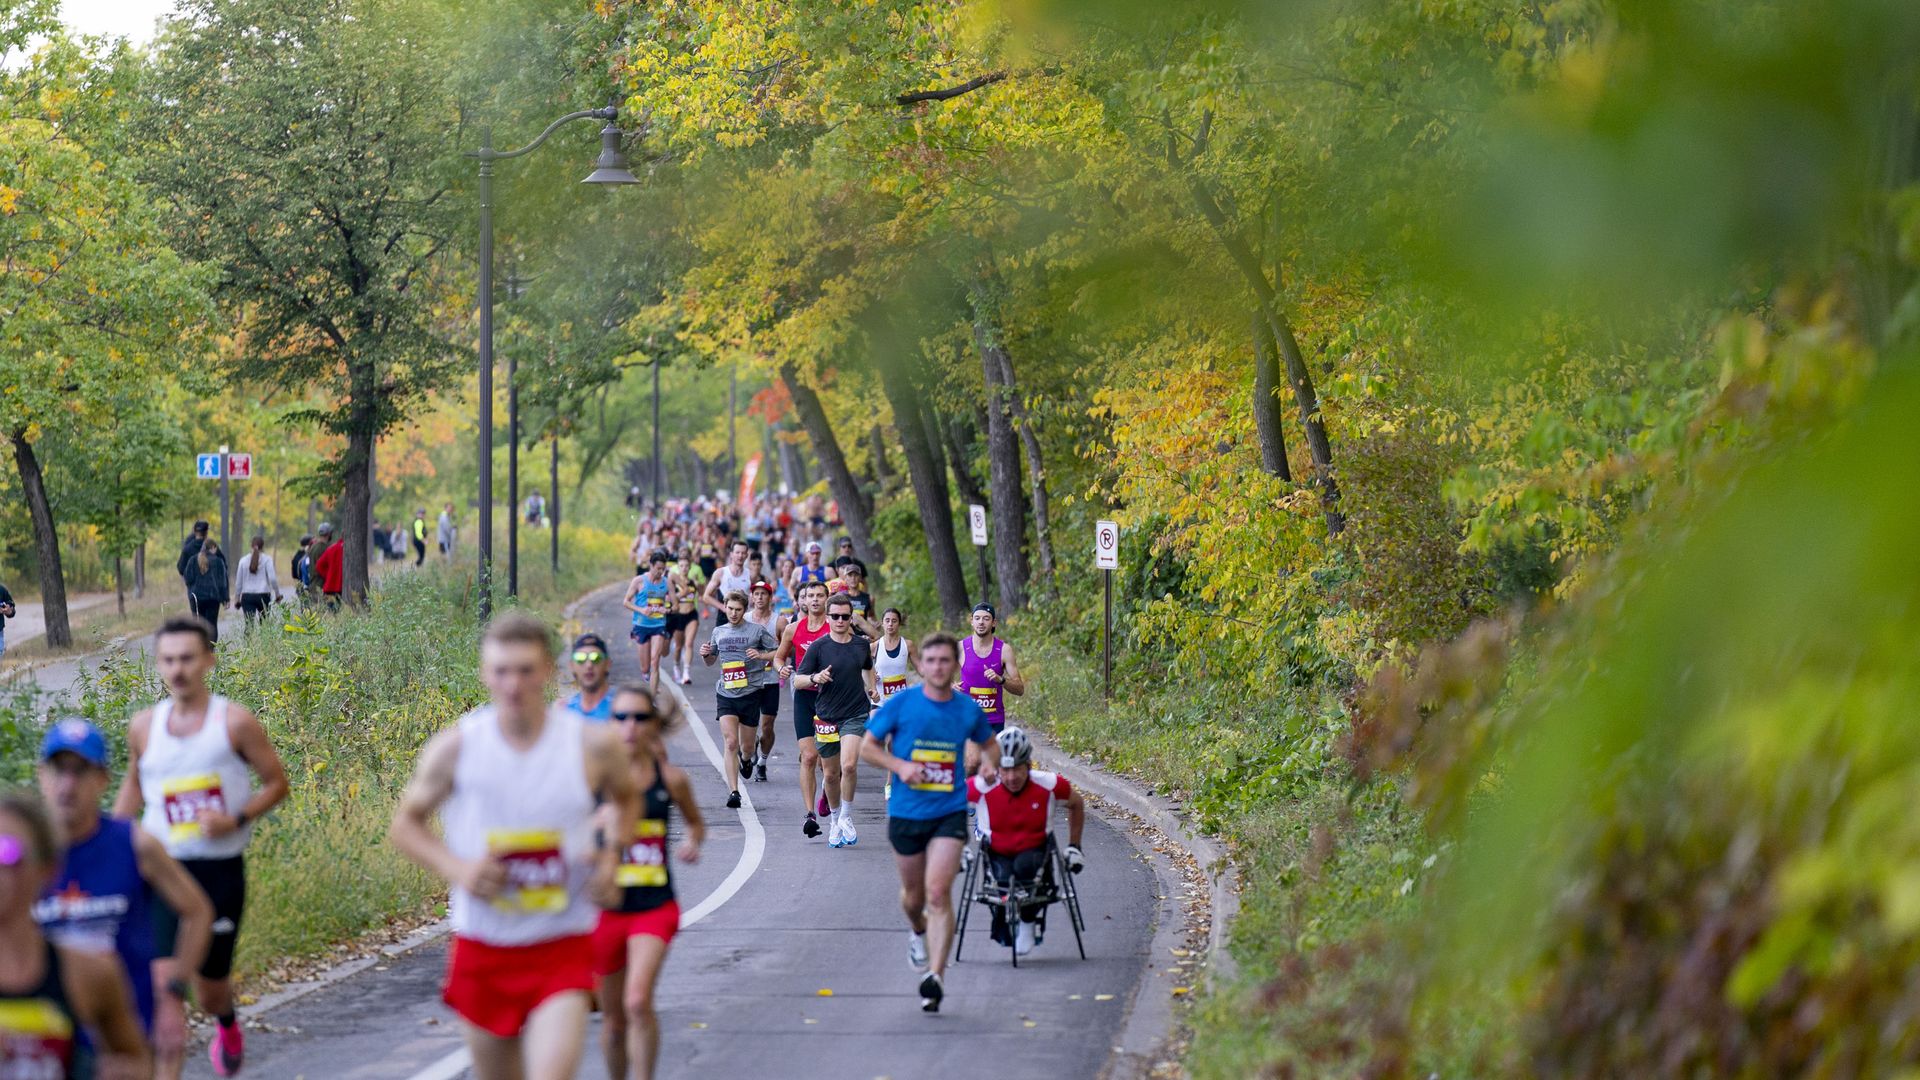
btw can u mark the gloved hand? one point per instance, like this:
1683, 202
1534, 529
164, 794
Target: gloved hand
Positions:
1075, 861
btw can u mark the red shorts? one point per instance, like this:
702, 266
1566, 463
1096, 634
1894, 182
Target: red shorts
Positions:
496, 987
615, 927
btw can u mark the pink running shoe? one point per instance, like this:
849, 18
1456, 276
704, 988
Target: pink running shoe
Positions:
226, 1049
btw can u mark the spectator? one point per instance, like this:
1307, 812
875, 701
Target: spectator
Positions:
419, 536
256, 582
207, 583
302, 566
445, 531
536, 508
6, 612
331, 566
380, 541
191, 548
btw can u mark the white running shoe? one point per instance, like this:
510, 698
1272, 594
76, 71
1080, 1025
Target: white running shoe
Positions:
1023, 939
834, 835
917, 951
848, 836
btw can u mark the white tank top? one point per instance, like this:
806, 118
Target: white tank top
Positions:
732, 582
890, 673
183, 775
532, 810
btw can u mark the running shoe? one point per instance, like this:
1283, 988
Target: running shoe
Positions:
917, 951
931, 992
226, 1049
1023, 939
810, 827
836, 836
760, 772
820, 806
733, 800
686, 679
848, 836
746, 767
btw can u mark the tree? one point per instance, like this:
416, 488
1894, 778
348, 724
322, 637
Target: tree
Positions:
307, 148
96, 311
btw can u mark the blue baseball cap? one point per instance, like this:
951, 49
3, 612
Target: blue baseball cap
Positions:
75, 736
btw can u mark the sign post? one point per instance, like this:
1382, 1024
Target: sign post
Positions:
1106, 559
977, 522
226, 533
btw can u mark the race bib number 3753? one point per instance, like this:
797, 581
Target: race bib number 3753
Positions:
733, 674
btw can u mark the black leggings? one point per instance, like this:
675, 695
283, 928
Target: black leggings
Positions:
208, 609
1023, 867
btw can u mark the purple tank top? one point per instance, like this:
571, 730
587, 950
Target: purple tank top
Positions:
983, 691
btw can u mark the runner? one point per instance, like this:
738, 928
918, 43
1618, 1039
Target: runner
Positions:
840, 667
802, 633
590, 664
727, 580
742, 649
855, 576
919, 736
647, 596
893, 656
782, 595
106, 881
683, 622
762, 611
49, 992
1015, 817
191, 788
515, 783
809, 569
987, 673
630, 940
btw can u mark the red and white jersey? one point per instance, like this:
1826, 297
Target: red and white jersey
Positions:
1014, 823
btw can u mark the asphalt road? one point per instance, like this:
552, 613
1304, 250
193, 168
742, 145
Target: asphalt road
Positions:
801, 972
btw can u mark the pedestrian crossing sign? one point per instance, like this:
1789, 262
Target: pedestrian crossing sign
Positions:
207, 466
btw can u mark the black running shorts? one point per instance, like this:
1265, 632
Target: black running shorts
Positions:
225, 883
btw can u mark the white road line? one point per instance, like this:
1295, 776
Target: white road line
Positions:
751, 852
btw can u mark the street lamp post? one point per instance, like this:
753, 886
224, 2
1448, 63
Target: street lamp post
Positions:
609, 169
516, 288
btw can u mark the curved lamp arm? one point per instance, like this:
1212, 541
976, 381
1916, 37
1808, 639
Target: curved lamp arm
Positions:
488, 153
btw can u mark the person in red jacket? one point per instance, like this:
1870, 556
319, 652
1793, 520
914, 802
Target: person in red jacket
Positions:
331, 566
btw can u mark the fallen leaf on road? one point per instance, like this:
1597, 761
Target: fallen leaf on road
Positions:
1030, 1023
696, 1025
1178, 990
1103, 997
824, 992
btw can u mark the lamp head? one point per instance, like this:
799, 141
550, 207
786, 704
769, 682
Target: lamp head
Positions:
610, 168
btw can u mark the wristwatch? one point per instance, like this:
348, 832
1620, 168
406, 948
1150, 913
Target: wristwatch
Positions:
240, 820
177, 986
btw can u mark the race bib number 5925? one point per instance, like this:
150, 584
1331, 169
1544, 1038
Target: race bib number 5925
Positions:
936, 769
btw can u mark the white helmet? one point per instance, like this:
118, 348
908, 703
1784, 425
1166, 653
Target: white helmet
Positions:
1015, 747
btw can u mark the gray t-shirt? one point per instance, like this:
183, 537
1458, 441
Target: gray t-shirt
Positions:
730, 644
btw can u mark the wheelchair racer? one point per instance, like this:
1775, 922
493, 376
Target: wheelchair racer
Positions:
1012, 816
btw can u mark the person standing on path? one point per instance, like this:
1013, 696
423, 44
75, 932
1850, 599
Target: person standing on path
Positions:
331, 566
840, 668
419, 537
590, 667
742, 649
444, 532
6, 612
630, 940
207, 588
516, 783
109, 877
256, 581
188, 549
195, 756
49, 992
920, 736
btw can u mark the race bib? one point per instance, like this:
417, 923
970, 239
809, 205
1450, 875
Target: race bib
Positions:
837, 585
936, 770
825, 731
644, 862
36, 1039
733, 674
536, 870
987, 697
656, 607
185, 798
892, 684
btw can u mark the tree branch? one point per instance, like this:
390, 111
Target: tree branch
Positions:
914, 97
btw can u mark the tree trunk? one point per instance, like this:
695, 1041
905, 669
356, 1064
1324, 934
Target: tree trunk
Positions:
1266, 403
1267, 296
140, 570
1036, 470
960, 451
356, 513
699, 471
119, 587
854, 510
1009, 517
46, 542
883, 479
926, 471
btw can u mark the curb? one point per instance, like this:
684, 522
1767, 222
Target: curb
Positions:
1150, 1019
427, 934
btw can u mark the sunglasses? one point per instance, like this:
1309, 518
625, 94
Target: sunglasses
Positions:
839, 618
588, 656
629, 717
12, 851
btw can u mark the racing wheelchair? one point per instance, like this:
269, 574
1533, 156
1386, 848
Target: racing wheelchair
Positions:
1053, 885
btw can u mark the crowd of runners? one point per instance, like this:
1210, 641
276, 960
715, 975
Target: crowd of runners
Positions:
548, 820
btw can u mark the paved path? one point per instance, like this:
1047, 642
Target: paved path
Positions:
741, 992
30, 617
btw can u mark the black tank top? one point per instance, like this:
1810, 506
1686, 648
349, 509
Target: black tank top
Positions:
645, 879
37, 1028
